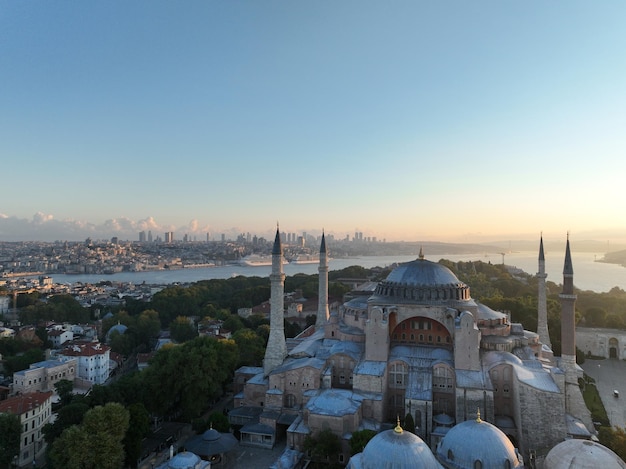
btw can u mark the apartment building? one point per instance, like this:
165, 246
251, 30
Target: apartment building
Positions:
34, 410
42, 376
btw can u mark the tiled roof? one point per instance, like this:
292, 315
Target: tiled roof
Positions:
24, 402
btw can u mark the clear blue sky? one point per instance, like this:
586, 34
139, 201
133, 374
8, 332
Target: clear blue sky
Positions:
405, 120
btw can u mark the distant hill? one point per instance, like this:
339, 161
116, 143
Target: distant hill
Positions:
617, 257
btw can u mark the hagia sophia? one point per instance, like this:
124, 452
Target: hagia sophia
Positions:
482, 391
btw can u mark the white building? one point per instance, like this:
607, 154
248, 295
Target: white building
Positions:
93, 361
34, 410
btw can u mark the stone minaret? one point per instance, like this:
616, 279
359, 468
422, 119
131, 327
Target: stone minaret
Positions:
574, 402
276, 350
568, 301
542, 302
322, 308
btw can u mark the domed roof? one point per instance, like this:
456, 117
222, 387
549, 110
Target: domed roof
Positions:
477, 440
186, 460
119, 328
421, 272
397, 449
582, 454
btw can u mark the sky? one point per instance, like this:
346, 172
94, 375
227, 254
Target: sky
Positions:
405, 120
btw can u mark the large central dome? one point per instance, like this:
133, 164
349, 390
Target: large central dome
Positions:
422, 281
421, 272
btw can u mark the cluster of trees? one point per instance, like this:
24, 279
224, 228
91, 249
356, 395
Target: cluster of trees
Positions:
110, 422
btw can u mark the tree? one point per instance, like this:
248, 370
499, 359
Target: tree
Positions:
186, 377
614, 438
139, 425
359, 439
324, 447
595, 317
409, 423
251, 347
94, 444
10, 430
71, 414
219, 422
182, 330
64, 388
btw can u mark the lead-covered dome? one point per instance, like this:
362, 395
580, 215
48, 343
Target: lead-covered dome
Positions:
423, 281
476, 443
396, 449
582, 454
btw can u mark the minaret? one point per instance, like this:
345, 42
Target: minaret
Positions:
542, 302
568, 301
276, 350
322, 308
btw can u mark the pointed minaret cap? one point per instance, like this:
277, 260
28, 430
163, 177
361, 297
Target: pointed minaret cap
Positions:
421, 254
568, 268
323, 244
277, 250
541, 256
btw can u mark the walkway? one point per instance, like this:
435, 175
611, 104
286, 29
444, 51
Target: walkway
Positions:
610, 375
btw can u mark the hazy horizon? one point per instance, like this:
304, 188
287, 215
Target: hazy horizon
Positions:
444, 121
45, 228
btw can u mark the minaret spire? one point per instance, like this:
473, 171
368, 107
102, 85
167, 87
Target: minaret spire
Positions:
568, 302
276, 350
322, 308
542, 302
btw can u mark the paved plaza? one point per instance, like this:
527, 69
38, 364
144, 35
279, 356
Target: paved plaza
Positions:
610, 375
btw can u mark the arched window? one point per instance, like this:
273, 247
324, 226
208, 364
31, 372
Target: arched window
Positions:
478, 464
450, 455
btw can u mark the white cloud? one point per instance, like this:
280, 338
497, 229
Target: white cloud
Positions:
44, 227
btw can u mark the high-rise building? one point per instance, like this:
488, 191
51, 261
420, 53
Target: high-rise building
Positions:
142, 236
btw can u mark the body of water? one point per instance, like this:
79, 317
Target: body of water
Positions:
588, 274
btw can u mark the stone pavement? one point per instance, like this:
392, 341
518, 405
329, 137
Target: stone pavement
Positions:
610, 375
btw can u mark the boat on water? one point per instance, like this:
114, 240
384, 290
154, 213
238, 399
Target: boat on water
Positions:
305, 259
257, 260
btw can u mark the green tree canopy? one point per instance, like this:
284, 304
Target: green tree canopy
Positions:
10, 431
182, 330
188, 376
94, 444
359, 439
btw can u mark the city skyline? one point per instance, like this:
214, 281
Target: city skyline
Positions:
412, 121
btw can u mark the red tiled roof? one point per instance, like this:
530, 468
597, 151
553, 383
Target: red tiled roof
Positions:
85, 350
24, 402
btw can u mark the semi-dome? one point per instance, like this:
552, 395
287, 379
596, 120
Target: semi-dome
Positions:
423, 281
582, 454
396, 449
459, 448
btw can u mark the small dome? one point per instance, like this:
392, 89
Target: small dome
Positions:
582, 454
185, 460
458, 449
119, 328
397, 449
421, 272
211, 435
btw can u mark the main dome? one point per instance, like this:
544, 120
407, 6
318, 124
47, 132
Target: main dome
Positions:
422, 281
